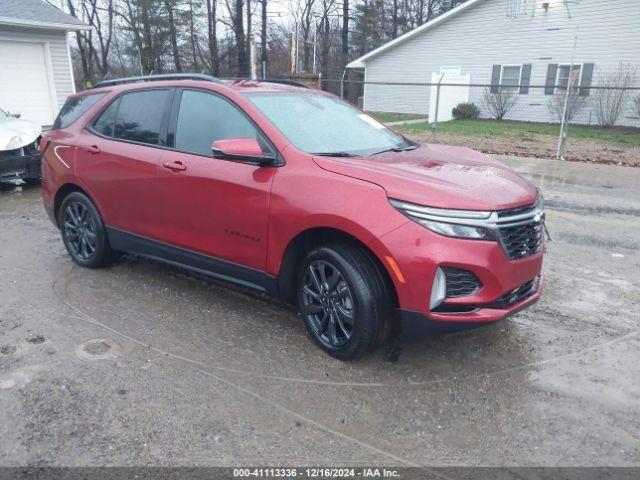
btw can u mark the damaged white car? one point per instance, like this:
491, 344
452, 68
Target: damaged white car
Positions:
19, 151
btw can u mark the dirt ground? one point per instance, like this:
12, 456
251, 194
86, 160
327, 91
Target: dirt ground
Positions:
141, 364
536, 145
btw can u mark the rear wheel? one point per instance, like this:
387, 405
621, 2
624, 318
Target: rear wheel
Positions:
343, 300
83, 232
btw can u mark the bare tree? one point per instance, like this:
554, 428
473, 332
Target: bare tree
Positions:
575, 103
609, 102
499, 102
636, 106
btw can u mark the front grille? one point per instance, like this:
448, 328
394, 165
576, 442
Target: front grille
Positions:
522, 240
520, 231
517, 295
461, 283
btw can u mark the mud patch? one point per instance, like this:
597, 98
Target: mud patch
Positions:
7, 349
36, 340
98, 349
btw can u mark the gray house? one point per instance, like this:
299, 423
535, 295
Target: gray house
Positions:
528, 44
35, 64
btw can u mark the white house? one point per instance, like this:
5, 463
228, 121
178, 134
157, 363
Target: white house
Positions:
35, 65
530, 43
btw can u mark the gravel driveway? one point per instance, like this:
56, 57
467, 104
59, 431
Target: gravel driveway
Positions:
141, 364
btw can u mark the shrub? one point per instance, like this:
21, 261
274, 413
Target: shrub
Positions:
610, 101
575, 103
465, 111
498, 103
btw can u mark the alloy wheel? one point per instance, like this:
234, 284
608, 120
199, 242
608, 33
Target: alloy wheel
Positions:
80, 231
328, 303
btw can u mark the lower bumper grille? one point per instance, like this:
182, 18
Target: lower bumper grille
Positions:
517, 295
461, 283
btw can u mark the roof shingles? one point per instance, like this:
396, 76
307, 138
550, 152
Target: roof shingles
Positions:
33, 12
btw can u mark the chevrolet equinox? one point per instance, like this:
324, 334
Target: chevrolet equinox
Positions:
298, 194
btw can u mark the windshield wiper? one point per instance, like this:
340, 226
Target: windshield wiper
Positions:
397, 149
334, 154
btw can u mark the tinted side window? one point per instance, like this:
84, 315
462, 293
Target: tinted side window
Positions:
205, 117
140, 116
74, 107
105, 122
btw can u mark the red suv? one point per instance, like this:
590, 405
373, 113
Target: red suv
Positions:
298, 194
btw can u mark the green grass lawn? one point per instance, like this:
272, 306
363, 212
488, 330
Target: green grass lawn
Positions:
394, 117
491, 128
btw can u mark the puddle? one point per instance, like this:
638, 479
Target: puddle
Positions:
97, 349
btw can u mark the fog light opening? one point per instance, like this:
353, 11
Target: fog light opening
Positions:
438, 290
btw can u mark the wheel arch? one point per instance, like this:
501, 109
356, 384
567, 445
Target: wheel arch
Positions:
306, 240
63, 192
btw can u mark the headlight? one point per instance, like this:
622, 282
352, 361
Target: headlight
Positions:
450, 223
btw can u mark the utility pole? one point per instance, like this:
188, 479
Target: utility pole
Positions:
263, 40
562, 141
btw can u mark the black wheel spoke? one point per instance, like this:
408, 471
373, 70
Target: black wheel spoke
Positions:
331, 330
312, 309
327, 303
80, 231
315, 278
312, 293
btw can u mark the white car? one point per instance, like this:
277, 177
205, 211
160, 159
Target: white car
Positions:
19, 152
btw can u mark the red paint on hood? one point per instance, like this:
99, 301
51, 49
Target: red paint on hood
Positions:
440, 176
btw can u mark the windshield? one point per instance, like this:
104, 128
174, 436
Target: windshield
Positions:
325, 125
3, 114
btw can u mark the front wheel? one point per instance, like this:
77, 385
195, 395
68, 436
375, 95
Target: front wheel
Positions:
83, 232
343, 300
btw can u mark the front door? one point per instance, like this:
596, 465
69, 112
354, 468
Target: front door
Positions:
214, 207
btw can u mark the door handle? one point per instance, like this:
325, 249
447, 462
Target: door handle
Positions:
176, 166
92, 149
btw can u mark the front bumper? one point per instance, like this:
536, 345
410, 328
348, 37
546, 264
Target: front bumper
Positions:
419, 252
17, 164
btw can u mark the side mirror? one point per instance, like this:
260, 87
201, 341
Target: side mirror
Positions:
15, 115
245, 150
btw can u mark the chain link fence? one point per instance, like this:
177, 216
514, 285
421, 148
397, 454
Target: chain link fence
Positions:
564, 120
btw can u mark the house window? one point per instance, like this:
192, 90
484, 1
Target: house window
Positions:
510, 78
565, 72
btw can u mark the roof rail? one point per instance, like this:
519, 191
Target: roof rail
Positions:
283, 81
152, 78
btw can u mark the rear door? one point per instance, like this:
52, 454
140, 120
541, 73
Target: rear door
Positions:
215, 207
121, 154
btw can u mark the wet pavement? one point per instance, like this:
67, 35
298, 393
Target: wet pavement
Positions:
141, 364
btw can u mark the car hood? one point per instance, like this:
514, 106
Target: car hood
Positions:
439, 176
15, 133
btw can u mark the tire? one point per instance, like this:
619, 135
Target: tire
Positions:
356, 289
83, 232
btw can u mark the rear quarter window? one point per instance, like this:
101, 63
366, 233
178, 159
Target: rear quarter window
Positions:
74, 107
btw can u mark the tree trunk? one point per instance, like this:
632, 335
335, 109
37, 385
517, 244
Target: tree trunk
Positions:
263, 39
212, 33
238, 30
394, 20
173, 37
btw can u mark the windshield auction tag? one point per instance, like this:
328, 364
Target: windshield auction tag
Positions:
371, 121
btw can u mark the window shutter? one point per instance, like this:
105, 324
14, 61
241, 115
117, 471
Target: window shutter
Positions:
525, 79
550, 84
585, 81
495, 78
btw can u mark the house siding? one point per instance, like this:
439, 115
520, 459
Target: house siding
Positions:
483, 36
59, 55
